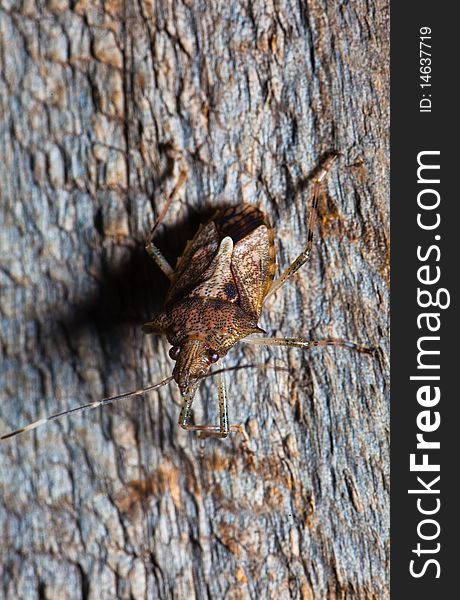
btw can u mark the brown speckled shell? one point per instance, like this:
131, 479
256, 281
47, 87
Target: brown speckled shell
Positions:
247, 278
219, 286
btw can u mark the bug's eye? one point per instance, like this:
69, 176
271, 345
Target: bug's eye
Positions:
212, 356
174, 352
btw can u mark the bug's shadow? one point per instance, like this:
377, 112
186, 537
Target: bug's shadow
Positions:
127, 294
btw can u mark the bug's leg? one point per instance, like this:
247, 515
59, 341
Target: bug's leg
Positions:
187, 407
150, 247
223, 405
306, 252
307, 344
221, 430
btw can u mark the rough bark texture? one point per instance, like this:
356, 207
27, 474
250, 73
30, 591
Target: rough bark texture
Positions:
102, 103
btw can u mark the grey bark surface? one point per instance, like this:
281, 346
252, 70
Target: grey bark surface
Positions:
101, 105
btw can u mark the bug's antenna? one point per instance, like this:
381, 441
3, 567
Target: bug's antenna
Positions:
89, 406
111, 399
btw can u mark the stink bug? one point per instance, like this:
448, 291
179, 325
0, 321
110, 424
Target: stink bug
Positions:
215, 300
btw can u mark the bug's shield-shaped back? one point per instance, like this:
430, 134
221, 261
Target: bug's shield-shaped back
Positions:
240, 271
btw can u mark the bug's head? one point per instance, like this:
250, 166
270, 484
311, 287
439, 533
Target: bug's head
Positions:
193, 360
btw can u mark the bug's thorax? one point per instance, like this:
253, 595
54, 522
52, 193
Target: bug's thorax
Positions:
201, 331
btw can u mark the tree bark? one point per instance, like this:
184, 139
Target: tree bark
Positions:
102, 105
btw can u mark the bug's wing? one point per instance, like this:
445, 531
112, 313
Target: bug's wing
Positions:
231, 258
218, 281
193, 265
253, 261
